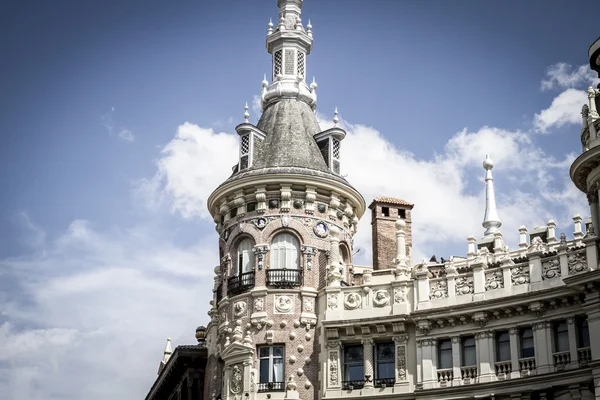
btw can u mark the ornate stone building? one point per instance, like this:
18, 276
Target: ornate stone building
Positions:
292, 318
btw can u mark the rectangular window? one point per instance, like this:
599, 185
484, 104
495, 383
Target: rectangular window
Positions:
561, 336
353, 363
385, 211
385, 360
233, 213
469, 357
502, 346
324, 149
583, 333
270, 360
445, 354
526, 339
251, 207
401, 213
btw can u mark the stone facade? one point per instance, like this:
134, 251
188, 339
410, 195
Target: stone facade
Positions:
292, 317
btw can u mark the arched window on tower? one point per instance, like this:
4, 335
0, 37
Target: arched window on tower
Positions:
345, 261
284, 263
242, 274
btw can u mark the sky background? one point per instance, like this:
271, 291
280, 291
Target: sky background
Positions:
117, 120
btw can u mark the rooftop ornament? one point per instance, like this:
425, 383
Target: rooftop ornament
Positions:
491, 220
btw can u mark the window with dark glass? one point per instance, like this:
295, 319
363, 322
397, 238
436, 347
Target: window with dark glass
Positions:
502, 346
561, 336
353, 363
445, 354
526, 339
270, 360
385, 362
469, 357
583, 333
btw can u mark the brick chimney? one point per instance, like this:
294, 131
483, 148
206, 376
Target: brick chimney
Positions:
384, 213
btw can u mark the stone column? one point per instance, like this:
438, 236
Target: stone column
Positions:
572, 343
485, 352
333, 274
456, 361
428, 363
368, 361
514, 353
542, 339
419, 363
401, 369
591, 251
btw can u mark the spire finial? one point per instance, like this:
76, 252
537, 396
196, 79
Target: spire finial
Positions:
491, 220
265, 82
309, 28
335, 117
246, 114
270, 30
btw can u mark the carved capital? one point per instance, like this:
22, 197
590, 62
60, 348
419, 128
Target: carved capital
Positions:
400, 339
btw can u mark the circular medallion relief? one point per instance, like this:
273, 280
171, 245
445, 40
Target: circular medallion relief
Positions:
320, 229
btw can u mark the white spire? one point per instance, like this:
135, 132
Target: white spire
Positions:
491, 220
166, 356
246, 113
335, 117
270, 30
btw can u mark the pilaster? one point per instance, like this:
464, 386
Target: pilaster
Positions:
368, 362
485, 352
514, 353
572, 343
542, 339
456, 361
535, 270
401, 366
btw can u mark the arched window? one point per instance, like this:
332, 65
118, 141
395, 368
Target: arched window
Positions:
285, 252
245, 257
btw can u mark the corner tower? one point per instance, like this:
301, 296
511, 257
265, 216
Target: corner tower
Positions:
286, 221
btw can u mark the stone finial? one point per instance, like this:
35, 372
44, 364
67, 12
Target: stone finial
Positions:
471, 247
523, 237
551, 231
314, 85
201, 335
578, 234
309, 29
335, 117
491, 220
270, 30
264, 82
246, 113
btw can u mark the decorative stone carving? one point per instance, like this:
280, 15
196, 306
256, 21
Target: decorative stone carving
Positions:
333, 368
284, 304
309, 252
538, 245
464, 285
260, 223
236, 380
239, 308
551, 269
285, 221
260, 252
381, 298
333, 275
401, 362
320, 229
519, 275
321, 208
399, 295
439, 290
352, 301
298, 204
577, 263
494, 281
259, 304
308, 305
332, 301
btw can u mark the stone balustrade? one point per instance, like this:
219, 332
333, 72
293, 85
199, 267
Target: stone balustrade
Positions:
503, 369
527, 365
445, 376
584, 355
561, 359
468, 374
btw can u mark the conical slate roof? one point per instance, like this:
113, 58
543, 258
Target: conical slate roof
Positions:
289, 126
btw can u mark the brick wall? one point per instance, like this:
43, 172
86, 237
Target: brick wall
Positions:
384, 232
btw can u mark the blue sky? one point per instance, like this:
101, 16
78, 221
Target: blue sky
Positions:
107, 243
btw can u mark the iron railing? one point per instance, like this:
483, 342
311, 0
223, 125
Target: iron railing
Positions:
384, 382
284, 278
240, 283
271, 387
351, 385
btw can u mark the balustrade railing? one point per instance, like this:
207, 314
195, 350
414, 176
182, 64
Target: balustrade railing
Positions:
445, 376
240, 283
503, 368
527, 365
561, 359
351, 385
584, 355
284, 278
271, 387
384, 382
468, 373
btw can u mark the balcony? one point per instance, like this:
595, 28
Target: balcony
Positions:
240, 283
284, 278
351, 385
527, 365
584, 355
384, 382
468, 373
445, 376
503, 369
561, 359
271, 387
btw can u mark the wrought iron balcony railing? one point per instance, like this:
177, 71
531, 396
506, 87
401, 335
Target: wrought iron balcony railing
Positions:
240, 283
384, 382
271, 387
351, 385
284, 278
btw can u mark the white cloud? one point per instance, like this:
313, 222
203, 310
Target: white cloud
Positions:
565, 109
565, 76
96, 309
126, 135
191, 166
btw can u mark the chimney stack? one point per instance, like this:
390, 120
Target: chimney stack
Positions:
384, 213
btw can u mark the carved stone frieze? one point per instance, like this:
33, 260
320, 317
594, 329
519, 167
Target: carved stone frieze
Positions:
284, 304
537, 246
239, 308
399, 295
551, 269
308, 305
332, 301
333, 368
464, 285
401, 362
259, 304
577, 263
381, 298
438, 290
352, 301
494, 280
237, 378
519, 275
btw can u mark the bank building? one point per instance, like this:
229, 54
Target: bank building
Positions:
292, 317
